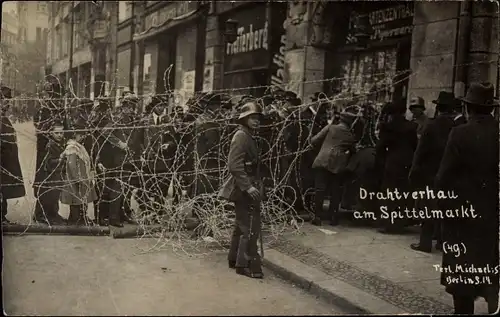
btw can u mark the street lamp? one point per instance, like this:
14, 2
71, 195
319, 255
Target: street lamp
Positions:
230, 30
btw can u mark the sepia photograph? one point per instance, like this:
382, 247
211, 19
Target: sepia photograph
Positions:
214, 158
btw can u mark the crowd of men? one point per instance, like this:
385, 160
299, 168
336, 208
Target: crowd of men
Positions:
129, 150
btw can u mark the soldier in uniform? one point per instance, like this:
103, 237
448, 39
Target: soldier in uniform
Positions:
244, 189
426, 162
11, 181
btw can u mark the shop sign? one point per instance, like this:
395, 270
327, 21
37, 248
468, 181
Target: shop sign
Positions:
386, 23
249, 40
169, 12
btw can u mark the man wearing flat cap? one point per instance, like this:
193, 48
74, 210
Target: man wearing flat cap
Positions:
244, 188
417, 108
426, 162
11, 181
470, 169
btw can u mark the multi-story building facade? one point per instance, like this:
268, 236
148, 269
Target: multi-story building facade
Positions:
24, 42
407, 48
8, 47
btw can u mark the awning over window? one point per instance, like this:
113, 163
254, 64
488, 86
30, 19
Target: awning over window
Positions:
155, 30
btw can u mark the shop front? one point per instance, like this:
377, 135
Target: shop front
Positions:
376, 66
172, 48
252, 62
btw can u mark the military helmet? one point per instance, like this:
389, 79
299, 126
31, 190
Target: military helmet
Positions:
249, 108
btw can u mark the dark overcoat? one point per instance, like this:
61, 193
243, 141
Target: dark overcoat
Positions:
395, 147
470, 168
430, 150
12, 185
154, 136
208, 163
48, 112
243, 164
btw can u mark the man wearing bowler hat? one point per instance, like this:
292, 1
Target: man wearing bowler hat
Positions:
417, 108
426, 161
244, 189
470, 169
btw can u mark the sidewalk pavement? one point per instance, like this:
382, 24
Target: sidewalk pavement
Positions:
363, 270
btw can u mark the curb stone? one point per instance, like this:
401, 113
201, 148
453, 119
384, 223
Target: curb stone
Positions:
335, 292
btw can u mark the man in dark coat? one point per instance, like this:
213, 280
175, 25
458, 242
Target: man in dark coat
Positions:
362, 164
11, 177
93, 143
395, 147
47, 204
158, 153
50, 110
426, 163
244, 188
112, 156
470, 168
129, 122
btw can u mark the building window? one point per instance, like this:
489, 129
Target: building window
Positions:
124, 10
38, 34
58, 43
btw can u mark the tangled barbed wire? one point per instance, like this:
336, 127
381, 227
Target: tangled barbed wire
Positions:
172, 185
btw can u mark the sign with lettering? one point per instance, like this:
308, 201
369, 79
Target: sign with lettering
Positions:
278, 45
168, 12
251, 48
394, 21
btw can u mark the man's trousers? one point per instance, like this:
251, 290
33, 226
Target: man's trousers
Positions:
247, 227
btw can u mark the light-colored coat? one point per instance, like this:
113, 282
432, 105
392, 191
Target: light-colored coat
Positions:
79, 178
338, 144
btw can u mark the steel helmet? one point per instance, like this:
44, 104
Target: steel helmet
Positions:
249, 108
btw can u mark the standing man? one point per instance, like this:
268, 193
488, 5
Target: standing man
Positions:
11, 181
112, 157
129, 121
470, 168
50, 110
426, 162
155, 149
417, 108
244, 188
394, 154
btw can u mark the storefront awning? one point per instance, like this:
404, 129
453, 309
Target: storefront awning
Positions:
170, 23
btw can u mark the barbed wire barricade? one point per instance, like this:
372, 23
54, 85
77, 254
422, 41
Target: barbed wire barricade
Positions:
198, 166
